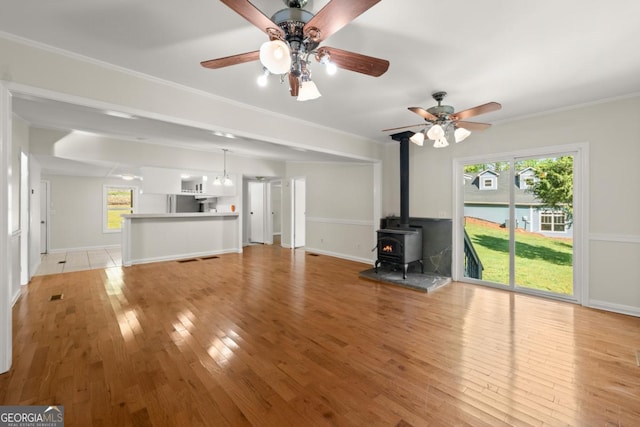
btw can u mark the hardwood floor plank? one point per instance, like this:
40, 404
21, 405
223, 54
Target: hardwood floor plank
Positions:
275, 337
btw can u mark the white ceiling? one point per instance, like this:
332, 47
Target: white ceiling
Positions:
530, 56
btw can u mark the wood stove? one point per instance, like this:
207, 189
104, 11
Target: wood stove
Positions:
400, 247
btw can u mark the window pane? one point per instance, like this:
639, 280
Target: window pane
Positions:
544, 255
119, 201
486, 240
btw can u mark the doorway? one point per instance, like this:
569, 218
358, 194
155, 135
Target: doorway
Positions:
257, 211
276, 212
521, 222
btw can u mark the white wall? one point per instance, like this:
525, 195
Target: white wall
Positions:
6, 247
339, 208
19, 230
76, 213
612, 132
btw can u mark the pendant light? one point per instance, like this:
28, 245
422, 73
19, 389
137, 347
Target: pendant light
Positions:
226, 181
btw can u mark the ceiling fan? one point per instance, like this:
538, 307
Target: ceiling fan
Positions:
294, 37
444, 125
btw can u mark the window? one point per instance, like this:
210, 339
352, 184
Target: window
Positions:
488, 183
526, 180
552, 221
116, 200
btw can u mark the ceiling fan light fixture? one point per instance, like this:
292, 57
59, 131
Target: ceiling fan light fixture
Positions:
441, 143
275, 56
331, 68
461, 134
308, 91
435, 132
263, 78
417, 138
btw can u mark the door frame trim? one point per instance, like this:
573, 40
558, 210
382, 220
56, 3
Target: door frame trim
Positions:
580, 151
47, 194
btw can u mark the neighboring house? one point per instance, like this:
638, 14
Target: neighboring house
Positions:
486, 196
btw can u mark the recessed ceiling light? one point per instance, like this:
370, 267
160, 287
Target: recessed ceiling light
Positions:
120, 114
129, 177
224, 134
84, 132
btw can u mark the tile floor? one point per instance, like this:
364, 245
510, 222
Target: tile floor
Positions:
64, 262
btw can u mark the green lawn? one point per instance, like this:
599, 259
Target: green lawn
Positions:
114, 220
541, 262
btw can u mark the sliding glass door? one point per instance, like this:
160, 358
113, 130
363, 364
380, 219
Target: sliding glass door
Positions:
517, 223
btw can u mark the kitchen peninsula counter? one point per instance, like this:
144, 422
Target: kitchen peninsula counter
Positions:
156, 237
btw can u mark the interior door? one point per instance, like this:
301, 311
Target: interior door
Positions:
276, 212
299, 208
256, 212
44, 217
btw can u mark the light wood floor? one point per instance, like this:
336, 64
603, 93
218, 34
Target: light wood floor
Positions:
275, 337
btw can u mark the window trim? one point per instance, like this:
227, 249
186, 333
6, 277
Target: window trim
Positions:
134, 195
483, 182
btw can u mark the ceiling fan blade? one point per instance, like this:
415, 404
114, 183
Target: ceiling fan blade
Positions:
423, 113
252, 14
354, 61
403, 127
336, 14
476, 111
294, 85
473, 125
231, 60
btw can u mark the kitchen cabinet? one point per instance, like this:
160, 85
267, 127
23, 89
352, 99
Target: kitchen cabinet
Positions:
177, 181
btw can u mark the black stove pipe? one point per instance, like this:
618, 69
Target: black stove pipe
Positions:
403, 137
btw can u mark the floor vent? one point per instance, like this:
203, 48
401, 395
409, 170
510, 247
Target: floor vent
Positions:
182, 261
313, 254
638, 357
209, 257
56, 297
62, 262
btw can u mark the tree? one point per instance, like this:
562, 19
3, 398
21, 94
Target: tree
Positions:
554, 184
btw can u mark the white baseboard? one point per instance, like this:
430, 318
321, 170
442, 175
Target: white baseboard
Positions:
177, 257
15, 297
616, 308
82, 249
339, 255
